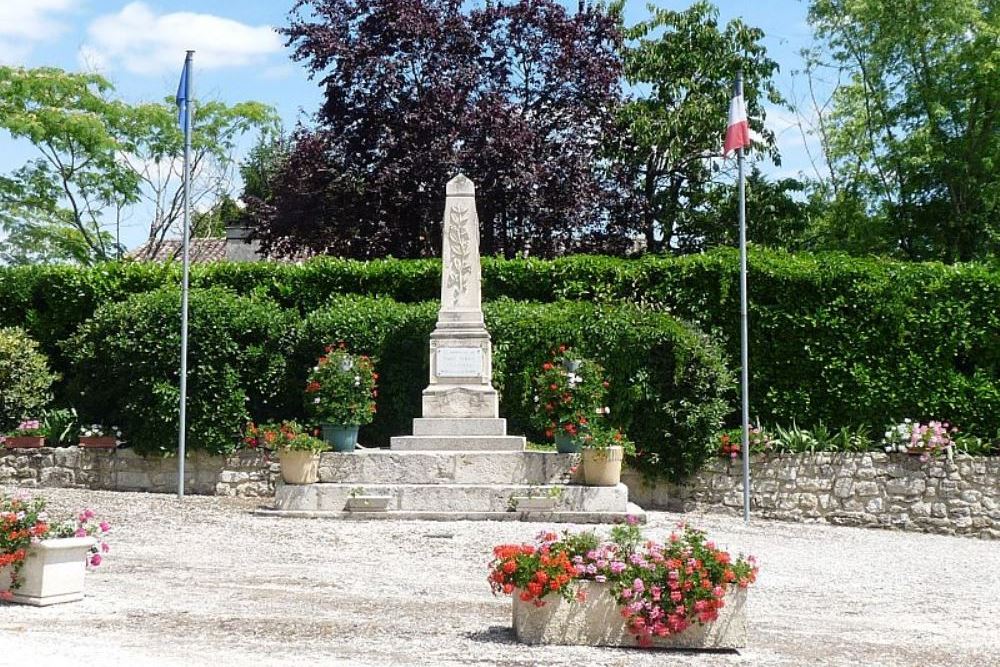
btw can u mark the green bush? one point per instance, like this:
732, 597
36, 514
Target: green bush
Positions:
834, 339
668, 382
124, 367
25, 378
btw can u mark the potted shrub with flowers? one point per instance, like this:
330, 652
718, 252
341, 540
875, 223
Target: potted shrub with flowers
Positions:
96, 436
44, 562
298, 452
731, 442
568, 393
604, 451
29, 434
626, 590
340, 395
928, 440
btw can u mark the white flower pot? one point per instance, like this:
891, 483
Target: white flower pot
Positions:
299, 467
52, 572
597, 621
602, 467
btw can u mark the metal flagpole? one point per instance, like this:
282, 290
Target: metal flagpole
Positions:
181, 444
744, 344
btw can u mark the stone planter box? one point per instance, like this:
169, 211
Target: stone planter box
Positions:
104, 442
368, 504
530, 504
53, 572
24, 441
598, 622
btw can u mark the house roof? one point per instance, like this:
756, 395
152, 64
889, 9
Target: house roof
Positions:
200, 251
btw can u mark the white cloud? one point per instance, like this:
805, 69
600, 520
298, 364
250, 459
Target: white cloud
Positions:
32, 20
146, 43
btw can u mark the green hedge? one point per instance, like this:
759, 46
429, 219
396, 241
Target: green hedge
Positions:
833, 338
25, 378
124, 367
249, 358
668, 382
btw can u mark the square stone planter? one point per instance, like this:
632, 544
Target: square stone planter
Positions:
53, 572
368, 504
598, 622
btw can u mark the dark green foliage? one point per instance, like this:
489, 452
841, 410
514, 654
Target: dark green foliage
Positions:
124, 367
834, 339
25, 378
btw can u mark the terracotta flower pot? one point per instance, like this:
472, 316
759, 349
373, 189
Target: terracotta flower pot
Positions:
299, 467
602, 467
103, 442
24, 441
53, 572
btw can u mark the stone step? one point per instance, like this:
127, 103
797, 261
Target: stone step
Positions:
633, 511
382, 466
469, 443
451, 497
459, 426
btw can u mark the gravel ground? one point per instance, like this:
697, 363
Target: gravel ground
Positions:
204, 582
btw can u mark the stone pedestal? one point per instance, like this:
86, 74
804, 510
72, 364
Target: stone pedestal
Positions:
460, 407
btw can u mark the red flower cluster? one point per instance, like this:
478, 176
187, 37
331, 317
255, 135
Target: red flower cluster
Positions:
533, 571
728, 447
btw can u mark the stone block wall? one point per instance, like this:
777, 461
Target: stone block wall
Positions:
958, 496
245, 473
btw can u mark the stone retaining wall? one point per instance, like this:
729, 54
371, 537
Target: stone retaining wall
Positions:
245, 473
959, 496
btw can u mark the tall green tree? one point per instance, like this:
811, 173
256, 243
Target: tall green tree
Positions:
912, 137
101, 160
681, 65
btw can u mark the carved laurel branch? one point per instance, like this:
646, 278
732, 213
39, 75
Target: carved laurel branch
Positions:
459, 239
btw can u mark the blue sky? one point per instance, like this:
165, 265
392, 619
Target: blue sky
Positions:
139, 46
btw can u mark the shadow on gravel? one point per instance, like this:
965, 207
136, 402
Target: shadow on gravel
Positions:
495, 634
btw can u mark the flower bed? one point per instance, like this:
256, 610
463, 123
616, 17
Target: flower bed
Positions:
625, 591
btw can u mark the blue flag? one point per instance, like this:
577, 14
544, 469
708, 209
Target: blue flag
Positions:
181, 99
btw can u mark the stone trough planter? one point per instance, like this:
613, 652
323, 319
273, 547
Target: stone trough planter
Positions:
598, 622
53, 572
368, 503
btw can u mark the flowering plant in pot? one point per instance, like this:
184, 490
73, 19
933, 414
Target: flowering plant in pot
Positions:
298, 452
604, 450
43, 561
340, 395
30, 433
926, 440
568, 393
96, 436
731, 441
660, 589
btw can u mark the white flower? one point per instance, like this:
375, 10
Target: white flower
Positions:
316, 400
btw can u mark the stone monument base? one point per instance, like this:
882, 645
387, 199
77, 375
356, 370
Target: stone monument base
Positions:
455, 485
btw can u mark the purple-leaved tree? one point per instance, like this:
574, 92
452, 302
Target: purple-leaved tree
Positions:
520, 95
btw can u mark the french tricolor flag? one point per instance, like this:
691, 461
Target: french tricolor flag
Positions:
738, 131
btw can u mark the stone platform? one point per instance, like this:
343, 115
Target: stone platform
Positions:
459, 485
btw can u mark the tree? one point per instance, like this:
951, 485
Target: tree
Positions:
682, 66
781, 214
912, 134
518, 95
100, 159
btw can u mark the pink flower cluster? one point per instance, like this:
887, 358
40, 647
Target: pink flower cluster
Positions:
927, 440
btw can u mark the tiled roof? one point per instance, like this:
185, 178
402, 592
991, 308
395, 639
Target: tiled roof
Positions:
200, 251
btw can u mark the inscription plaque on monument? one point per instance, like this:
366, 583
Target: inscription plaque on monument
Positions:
459, 362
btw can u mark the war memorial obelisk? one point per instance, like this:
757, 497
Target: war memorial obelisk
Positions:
460, 407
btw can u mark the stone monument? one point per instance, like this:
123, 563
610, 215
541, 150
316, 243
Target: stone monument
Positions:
460, 407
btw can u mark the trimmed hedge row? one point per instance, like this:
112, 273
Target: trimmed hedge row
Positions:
835, 339
668, 382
